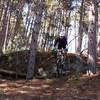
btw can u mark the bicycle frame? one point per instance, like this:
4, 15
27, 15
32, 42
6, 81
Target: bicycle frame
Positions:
60, 61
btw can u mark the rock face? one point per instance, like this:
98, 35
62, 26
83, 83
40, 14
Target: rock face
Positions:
77, 64
73, 63
45, 63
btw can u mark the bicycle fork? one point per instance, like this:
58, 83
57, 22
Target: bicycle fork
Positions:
60, 65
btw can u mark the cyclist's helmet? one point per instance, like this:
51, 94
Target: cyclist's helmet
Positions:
62, 33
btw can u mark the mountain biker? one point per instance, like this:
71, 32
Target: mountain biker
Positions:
61, 42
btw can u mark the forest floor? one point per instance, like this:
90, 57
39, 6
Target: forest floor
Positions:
83, 88
72, 87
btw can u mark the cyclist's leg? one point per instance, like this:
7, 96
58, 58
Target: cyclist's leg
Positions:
59, 47
65, 66
58, 61
61, 62
64, 46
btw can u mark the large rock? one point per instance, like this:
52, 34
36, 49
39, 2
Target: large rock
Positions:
73, 63
77, 64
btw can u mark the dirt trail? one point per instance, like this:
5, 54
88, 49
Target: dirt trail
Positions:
51, 89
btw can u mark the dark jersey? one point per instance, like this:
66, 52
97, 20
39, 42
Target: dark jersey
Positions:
61, 42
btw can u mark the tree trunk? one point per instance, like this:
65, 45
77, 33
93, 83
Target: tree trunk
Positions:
7, 30
28, 20
98, 33
80, 33
2, 9
68, 19
3, 30
92, 39
33, 48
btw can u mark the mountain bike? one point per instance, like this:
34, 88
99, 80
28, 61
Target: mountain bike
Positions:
61, 62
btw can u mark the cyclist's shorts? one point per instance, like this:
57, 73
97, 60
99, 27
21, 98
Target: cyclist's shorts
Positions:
61, 46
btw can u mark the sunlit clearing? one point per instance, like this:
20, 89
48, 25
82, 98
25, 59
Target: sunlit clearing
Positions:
35, 88
45, 86
22, 92
3, 85
61, 89
49, 80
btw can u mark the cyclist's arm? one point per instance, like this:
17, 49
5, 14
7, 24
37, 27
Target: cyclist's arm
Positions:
56, 41
66, 41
